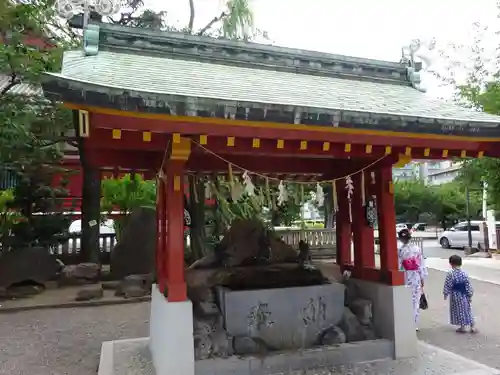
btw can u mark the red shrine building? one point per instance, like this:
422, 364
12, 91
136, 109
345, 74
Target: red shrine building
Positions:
167, 103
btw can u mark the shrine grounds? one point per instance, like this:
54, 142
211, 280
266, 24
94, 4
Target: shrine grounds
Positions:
68, 340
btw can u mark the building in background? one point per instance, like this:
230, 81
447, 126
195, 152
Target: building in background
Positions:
431, 172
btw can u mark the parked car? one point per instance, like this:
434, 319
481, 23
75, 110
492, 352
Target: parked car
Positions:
106, 227
458, 235
419, 227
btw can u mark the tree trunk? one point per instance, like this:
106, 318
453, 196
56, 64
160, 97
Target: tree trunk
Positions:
90, 205
91, 214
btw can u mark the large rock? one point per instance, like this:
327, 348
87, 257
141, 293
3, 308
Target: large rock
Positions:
351, 326
362, 308
135, 253
135, 286
90, 292
35, 264
82, 273
332, 336
248, 242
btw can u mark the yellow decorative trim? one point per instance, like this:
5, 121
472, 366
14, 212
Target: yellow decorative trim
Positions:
177, 183
83, 124
230, 141
388, 150
444, 154
181, 150
203, 139
280, 144
408, 151
463, 153
146, 136
347, 147
391, 188
326, 146
427, 151
303, 145
176, 138
402, 161
117, 134
256, 143
480, 154
258, 124
368, 149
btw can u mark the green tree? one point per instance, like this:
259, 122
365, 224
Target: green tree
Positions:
31, 128
126, 194
472, 69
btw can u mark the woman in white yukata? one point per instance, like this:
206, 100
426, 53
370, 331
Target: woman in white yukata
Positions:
412, 263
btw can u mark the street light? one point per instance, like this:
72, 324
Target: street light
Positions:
70, 8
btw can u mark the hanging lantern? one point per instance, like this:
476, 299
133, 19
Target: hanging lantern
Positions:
248, 184
282, 194
320, 195
349, 186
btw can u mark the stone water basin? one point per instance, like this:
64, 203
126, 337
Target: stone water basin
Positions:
284, 318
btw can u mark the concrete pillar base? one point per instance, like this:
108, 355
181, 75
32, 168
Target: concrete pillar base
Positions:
392, 315
171, 335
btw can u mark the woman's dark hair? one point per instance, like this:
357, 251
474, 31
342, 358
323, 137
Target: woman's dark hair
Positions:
404, 234
455, 260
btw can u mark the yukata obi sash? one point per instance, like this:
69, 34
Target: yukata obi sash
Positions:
410, 264
459, 287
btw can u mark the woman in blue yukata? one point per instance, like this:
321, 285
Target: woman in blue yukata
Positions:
412, 263
457, 286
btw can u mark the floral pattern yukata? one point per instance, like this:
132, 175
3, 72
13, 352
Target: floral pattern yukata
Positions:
411, 261
458, 287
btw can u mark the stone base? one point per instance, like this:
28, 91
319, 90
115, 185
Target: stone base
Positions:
171, 335
284, 318
132, 357
392, 315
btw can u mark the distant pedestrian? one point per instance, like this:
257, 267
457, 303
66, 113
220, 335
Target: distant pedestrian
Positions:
411, 261
458, 287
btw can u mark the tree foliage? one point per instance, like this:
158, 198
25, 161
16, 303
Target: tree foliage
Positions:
126, 194
440, 204
472, 68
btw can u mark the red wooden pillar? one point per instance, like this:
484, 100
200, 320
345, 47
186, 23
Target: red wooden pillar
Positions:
389, 265
174, 201
161, 232
363, 240
343, 226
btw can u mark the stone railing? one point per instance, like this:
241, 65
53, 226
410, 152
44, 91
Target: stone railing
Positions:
68, 251
322, 242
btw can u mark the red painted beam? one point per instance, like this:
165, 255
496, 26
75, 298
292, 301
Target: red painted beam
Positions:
132, 140
99, 120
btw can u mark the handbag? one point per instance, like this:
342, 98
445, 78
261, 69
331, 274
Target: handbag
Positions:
423, 302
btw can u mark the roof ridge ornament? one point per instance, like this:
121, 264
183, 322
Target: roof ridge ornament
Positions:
414, 51
70, 8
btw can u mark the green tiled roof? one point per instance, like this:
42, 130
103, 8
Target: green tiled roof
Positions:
142, 74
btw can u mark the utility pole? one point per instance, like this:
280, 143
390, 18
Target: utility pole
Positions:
467, 211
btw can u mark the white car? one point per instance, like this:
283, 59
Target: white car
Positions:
106, 227
400, 227
458, 235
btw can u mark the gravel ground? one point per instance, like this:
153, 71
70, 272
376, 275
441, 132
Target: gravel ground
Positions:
65, 341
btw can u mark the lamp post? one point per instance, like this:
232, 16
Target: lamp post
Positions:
69, 8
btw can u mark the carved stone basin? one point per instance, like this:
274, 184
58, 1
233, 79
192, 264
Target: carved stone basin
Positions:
284, 318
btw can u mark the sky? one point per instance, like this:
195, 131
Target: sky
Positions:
363, 28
